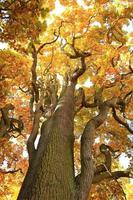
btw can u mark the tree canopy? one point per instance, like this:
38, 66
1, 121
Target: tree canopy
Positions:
48, 41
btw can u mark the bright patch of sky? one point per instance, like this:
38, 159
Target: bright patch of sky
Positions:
3, 45
4, 164
60, 78
110, 77
59, 9
82, 4
130, 136
124, 160
128, 28
25, 154
88, 83
14, 140
130, 123
107, 141
97, 140
77, 86
98, 24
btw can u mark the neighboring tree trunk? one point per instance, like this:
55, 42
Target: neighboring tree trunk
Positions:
51, 172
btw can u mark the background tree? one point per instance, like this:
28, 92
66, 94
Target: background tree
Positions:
73, 80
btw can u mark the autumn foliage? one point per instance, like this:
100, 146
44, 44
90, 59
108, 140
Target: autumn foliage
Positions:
44, 49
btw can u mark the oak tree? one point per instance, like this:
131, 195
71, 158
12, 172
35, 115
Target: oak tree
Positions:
66, 82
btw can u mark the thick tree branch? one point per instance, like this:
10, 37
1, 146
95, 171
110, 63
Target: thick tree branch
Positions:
105, 149
76, 52
106, 175
35, 91
87, 169
5, 121
81, 101
113, 175
103, 171
78, 72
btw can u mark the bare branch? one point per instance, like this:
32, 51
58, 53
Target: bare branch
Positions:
51, 42
11, 171
105, 175
24, 91
87, 28
78, 72
120, 121
16, 124
127, 95
81, 102
2, 78
87, 169
5, 121
34, 74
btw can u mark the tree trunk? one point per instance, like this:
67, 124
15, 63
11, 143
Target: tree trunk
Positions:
51, 173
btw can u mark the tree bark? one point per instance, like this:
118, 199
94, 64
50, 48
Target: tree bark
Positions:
51, 173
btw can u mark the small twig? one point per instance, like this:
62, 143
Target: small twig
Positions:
120, 121
51, 42
11, 171
24, 91
116, 181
